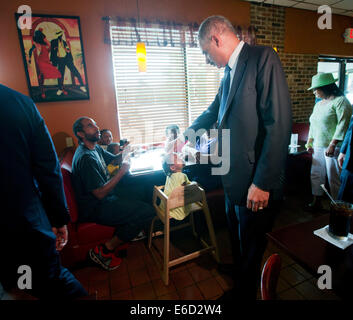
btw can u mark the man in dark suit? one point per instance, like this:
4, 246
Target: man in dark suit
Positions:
253, 104
34, 212
60, 56
345, 161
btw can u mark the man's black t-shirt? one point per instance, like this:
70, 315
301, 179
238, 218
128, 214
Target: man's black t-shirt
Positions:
89, 172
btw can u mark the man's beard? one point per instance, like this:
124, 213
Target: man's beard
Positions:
92, 137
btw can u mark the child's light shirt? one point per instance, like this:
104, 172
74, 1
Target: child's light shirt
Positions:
175, 180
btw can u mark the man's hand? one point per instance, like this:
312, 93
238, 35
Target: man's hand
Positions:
329, 152
309, 146
310, 150
198, 157
61, 237
340, 159
257, 198
125, 167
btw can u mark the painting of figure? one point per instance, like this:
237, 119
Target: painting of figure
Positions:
53, 58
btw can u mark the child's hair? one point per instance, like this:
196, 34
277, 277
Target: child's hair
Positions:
172, 127
111, 147
168, 160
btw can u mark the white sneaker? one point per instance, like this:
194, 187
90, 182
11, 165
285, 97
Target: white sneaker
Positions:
59, 92
140, 236
83, 89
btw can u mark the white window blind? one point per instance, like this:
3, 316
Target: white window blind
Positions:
203, 82
177, 87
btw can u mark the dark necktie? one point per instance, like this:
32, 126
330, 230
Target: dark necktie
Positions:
225, 92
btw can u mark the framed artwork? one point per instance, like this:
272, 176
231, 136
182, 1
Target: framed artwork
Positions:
53, 58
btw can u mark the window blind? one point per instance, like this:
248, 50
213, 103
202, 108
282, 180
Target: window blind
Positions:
177, 87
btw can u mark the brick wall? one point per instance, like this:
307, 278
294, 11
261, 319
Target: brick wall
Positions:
269, 22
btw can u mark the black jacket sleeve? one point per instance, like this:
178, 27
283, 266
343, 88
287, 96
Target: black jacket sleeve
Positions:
275, 110
46, 170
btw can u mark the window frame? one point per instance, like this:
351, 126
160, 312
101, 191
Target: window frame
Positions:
342, 67
188, 79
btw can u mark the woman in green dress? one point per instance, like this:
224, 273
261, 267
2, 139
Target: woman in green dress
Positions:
328, 125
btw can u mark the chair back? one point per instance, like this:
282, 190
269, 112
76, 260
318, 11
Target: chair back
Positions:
69, 193
269, 277
184, 195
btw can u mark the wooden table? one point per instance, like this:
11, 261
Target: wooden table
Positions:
310, 251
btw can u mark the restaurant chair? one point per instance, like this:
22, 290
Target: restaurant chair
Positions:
269, 277
82, 235
181, 196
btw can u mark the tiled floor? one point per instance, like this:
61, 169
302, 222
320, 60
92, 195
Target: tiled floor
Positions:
138, 277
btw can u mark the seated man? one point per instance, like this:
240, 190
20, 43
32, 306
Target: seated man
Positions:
106, 138
98, 198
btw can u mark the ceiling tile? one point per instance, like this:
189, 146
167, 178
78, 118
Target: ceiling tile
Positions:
348, 13
285, 3
306, 6
345, 4
338, 11
321, 2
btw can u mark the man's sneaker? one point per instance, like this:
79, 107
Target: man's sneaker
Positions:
140, 236
108, 261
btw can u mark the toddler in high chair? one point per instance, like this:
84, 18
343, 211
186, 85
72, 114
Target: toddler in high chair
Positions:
173, 165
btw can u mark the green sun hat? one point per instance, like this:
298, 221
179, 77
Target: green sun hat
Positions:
321, 79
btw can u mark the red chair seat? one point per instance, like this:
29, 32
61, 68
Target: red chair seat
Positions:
82, 236
92, 232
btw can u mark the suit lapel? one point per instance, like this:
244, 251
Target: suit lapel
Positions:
238, 76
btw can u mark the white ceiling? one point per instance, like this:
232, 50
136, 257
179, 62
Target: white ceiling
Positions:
343, 7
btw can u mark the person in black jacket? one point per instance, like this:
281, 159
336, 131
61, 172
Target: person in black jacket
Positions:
252, 109
345, 161
34, 212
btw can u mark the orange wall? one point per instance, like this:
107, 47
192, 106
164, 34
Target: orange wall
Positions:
302, 34
59, 116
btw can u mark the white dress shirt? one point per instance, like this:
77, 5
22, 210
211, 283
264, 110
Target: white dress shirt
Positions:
233, 60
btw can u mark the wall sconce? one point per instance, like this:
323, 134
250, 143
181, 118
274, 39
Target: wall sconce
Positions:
140, 46
141, 56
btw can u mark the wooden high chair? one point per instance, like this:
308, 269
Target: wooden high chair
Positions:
181, 196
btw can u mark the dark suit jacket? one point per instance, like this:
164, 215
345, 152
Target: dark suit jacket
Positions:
54, 44
258, 114
32, 196
346, 148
